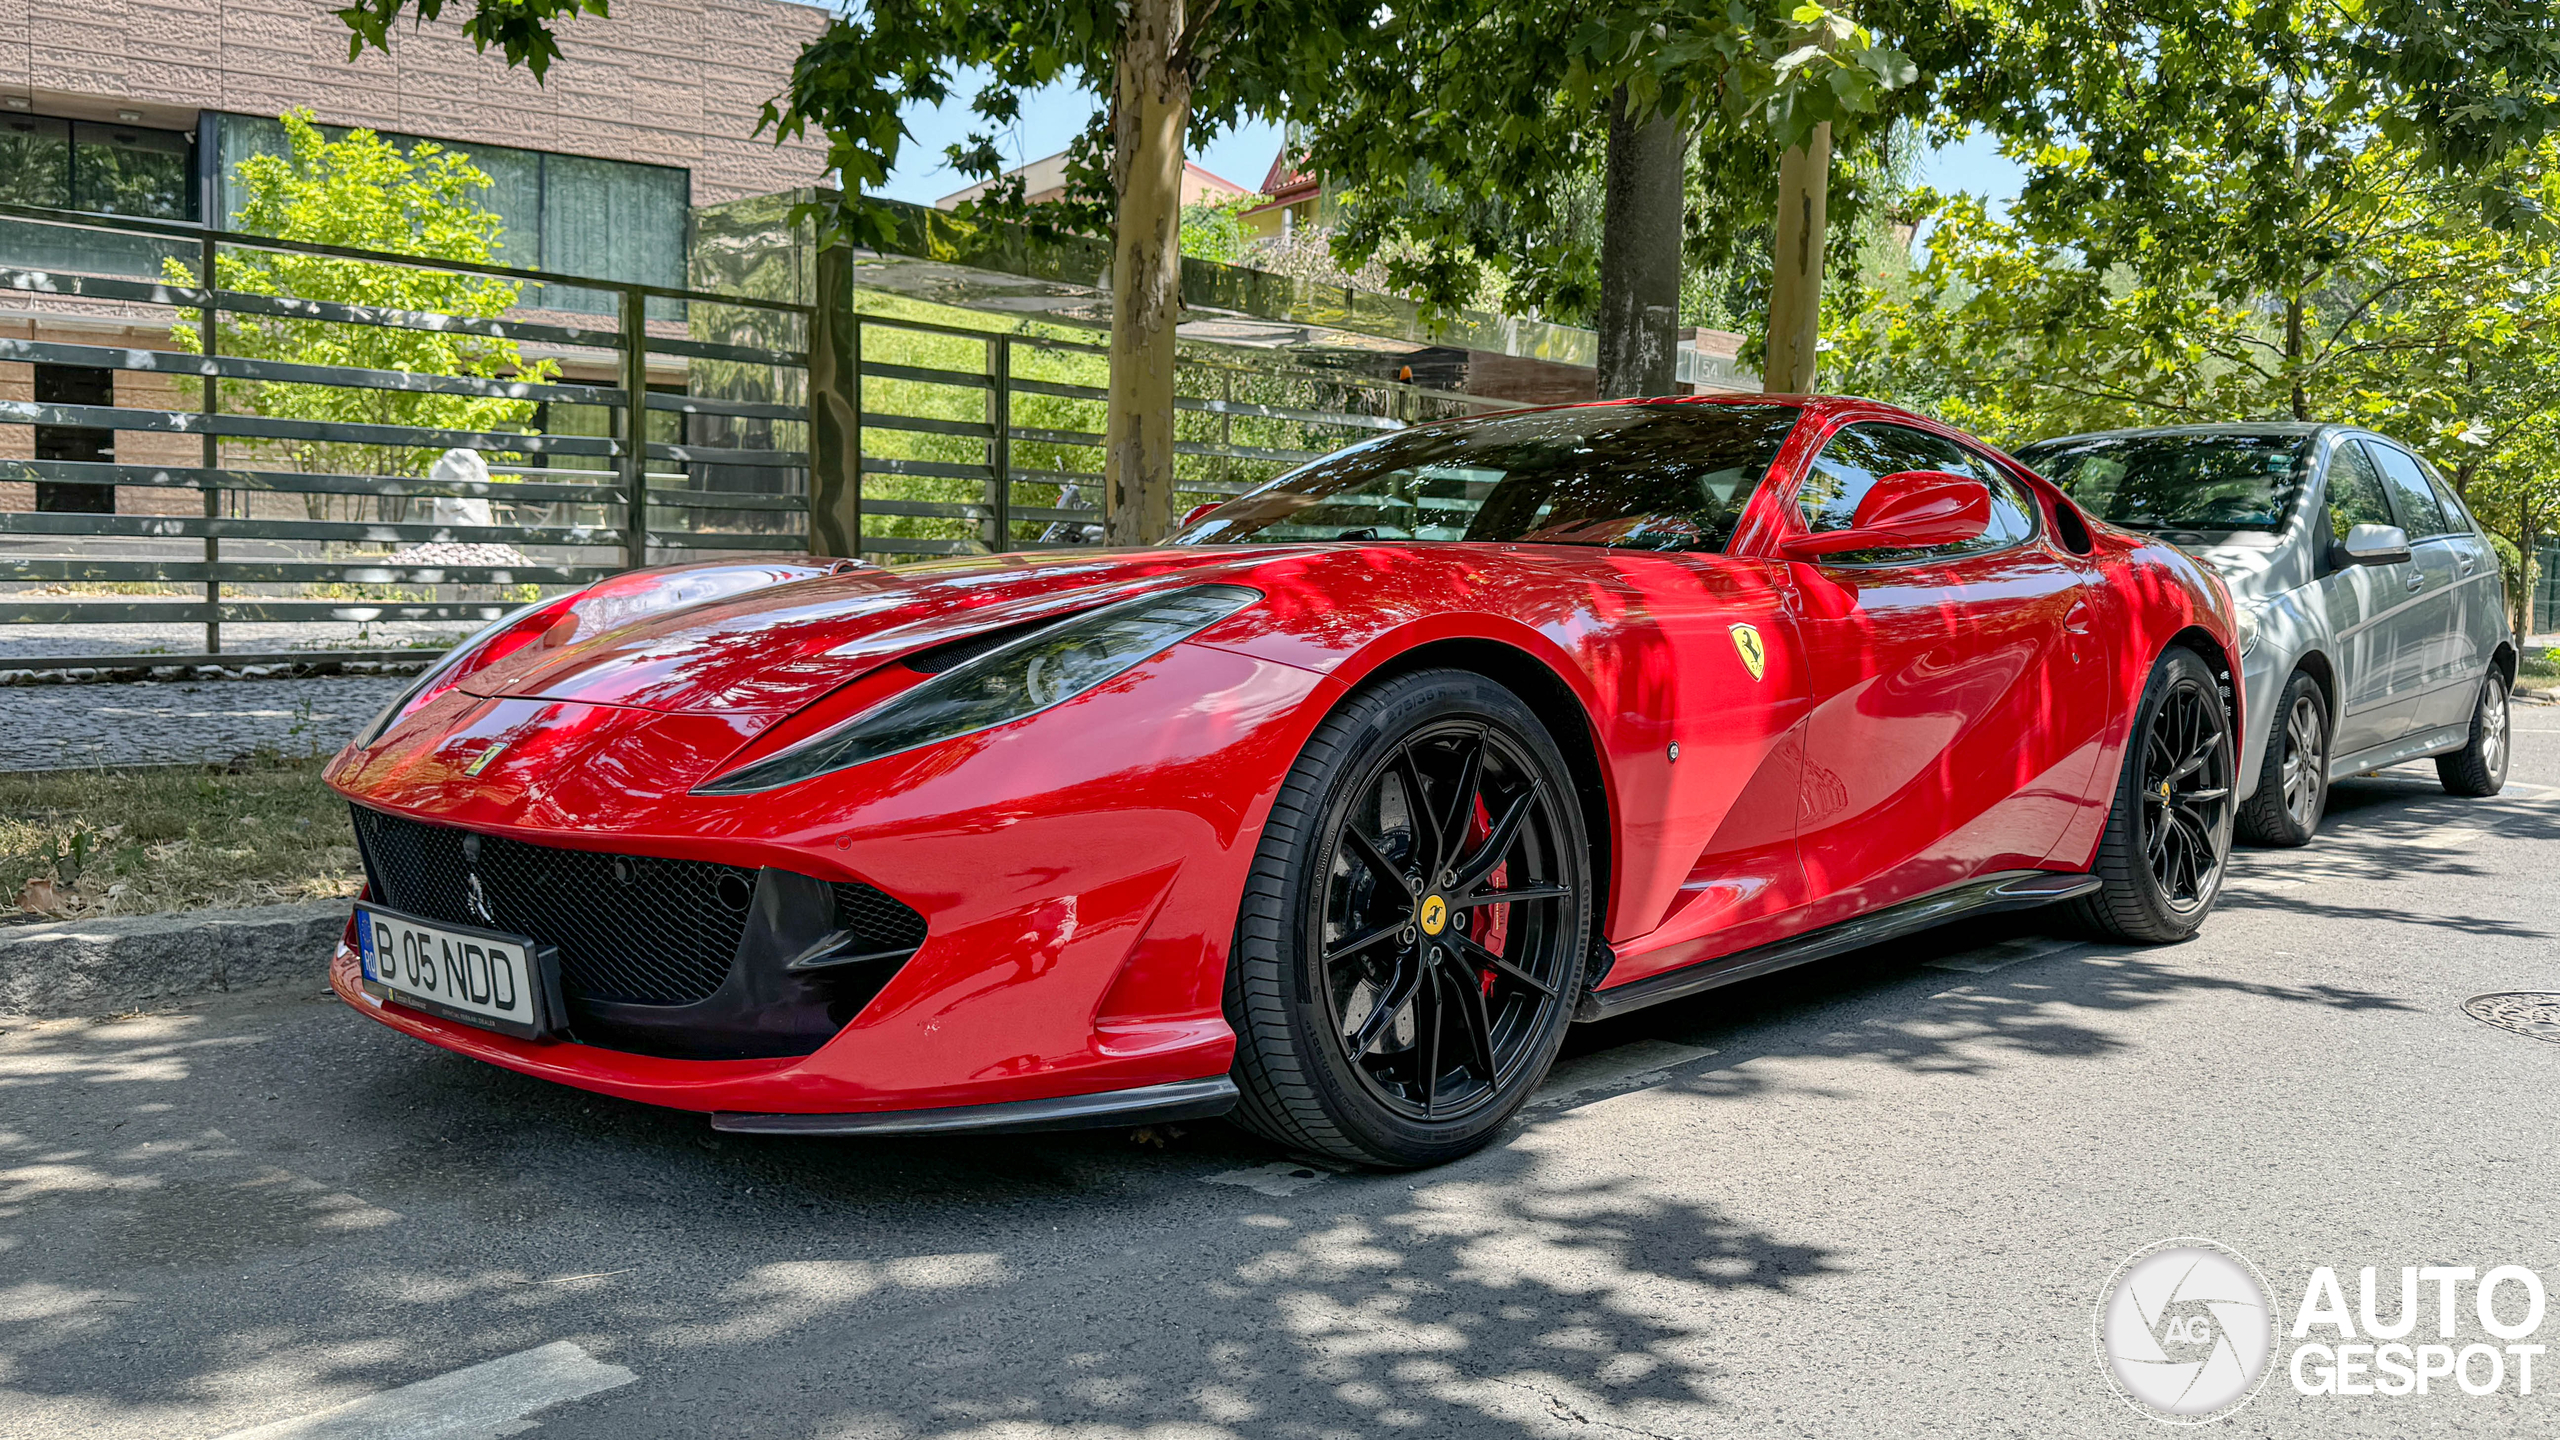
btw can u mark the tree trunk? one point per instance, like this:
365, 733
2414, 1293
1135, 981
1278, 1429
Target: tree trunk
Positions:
2293, 347
1795, 290
1640, 254
1151, 107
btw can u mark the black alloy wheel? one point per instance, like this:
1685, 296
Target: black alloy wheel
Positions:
1439, 920
2293, 779
2168, 838
1424, 891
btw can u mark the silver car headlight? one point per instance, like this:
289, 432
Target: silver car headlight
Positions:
2248, 615
1022, 677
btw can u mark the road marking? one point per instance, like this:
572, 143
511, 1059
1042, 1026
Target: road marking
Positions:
1280, 1177
1626, 1067
2004, 954
2448, 839
477, 1402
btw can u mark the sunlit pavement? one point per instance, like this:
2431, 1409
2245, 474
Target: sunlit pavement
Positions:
1876, 1197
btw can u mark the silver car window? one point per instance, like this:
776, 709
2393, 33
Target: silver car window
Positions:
2411, 495
2355, 491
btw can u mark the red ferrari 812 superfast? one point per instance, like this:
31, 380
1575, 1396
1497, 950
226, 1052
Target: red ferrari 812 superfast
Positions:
1330, 814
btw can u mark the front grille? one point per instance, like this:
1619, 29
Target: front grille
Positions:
878, 922
634, 929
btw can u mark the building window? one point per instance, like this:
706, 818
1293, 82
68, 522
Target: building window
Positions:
75, 385
610, 219
107, 169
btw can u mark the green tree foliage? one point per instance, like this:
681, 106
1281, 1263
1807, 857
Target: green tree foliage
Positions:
2424, 321
362, 192
1214, 230
1474, 130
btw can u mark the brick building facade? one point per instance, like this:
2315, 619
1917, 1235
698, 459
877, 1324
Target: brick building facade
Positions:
648, 113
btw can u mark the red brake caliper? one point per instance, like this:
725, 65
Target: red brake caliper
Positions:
1498, 925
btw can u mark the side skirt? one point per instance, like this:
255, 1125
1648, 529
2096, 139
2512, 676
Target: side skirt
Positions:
2009, 890
2443, 740
1177, 1100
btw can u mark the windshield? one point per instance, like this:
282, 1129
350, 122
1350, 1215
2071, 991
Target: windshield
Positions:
2177, 482
1645, 477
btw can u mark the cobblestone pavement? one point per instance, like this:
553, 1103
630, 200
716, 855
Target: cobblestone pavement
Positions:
20, 642
56, 727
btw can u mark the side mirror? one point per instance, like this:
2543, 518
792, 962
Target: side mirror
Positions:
2375, 545
1907, 510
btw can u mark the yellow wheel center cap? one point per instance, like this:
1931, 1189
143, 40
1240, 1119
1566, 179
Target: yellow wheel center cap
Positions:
1434, 914
2164, 789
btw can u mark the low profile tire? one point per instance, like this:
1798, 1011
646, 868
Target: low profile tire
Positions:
2168, 836
2293, 780
2480, 767
1414, 933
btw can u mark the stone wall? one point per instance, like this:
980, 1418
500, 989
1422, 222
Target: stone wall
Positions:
666, 82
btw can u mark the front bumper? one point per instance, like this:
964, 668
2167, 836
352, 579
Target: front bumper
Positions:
1079, 874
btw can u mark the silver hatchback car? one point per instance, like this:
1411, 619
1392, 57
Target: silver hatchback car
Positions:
2373, 615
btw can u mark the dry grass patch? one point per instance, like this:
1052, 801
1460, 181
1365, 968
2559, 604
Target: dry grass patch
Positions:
79, 843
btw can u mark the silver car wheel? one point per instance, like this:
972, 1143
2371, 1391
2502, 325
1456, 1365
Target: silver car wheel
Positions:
2305, 771
2493, 727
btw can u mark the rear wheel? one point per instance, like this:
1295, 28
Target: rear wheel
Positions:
2293, 781
1413, 936
2480, 767
2161, 859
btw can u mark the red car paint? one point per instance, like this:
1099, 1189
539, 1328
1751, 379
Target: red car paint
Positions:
1080, 868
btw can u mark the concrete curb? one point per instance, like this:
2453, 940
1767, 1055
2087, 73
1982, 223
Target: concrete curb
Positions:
104, 967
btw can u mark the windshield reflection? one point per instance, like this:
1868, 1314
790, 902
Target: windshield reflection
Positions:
2177, 481
1643, 477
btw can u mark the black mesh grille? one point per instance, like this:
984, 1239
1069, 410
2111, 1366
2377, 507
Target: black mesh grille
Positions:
881, 922
631, 928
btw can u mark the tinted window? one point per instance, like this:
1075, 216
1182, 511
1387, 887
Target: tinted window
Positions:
1645, 477
1852, 461
2457, 515
2411, 495
2355, 491
2177, 481
35, 160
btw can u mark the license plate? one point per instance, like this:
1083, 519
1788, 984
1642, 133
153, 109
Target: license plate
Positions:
479, 977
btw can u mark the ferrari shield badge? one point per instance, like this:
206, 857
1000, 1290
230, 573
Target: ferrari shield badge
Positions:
1746, 643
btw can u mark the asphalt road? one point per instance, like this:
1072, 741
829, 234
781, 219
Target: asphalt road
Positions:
1875, 1197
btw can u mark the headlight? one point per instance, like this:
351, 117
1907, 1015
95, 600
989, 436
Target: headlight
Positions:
2247, 615
1019, 678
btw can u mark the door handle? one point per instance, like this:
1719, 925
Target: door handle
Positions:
2417, 579
2467, 563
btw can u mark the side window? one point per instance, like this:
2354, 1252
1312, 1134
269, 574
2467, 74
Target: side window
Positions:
2411, 495
1851, 462
2457, 515
2355, 490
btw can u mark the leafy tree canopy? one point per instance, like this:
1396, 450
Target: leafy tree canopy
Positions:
363, 192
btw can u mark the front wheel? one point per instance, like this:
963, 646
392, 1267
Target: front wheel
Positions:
1413, 935
2480, 767
2168, 837
2293, 781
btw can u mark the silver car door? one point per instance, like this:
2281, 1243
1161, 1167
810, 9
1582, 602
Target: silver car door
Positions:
2480, 601
2357, 597
2431, 669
